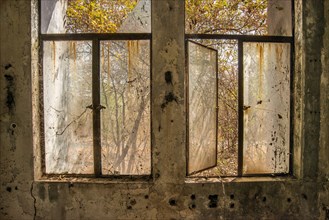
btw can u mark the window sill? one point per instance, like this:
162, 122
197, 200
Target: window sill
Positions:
100, 180
190, 180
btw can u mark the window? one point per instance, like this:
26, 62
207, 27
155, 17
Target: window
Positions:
95, 87
239, 59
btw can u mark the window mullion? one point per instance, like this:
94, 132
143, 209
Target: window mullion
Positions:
96, 107
240, 107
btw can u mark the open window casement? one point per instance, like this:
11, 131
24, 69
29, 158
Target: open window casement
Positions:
202, 107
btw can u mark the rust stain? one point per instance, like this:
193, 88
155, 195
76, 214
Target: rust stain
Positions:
278, 54
129, 60
54, 59
72, 54
261, 70
133, 49
102, 57
74, 57
108, 61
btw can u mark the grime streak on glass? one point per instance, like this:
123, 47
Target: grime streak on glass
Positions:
267, 118
67, 121
202, 95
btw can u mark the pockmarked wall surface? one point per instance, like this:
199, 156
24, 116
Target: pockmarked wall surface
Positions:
168, 195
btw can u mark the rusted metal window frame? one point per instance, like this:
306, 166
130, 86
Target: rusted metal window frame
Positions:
255, 39
95, 38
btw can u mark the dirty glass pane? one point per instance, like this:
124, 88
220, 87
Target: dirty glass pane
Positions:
261, 17
227, 162
100, 16
266, 108
279, 18
66, 95
125, 92
202, 107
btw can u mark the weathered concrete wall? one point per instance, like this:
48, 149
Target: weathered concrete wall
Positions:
324, 117
16, 155
167, 195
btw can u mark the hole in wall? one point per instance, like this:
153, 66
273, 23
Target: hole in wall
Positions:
192, 206
213, 201
172, 202
8, 66
133, 202
168, 77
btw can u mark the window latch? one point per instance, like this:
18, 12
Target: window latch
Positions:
99, 107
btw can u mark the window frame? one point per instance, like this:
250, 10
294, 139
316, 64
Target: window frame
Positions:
95, 39
240, 40
187, 105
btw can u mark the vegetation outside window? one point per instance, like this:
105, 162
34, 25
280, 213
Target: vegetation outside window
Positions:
96, 87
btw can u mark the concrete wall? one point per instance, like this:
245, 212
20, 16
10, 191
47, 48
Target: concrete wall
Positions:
167, 195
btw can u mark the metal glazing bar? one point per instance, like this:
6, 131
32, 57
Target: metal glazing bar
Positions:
96, 107
292, 58
217, 106
187, 104
240, 107
246, 38
42, 110
292, 89
96, 36
103, 177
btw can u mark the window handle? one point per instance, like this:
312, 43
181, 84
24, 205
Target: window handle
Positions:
99, 107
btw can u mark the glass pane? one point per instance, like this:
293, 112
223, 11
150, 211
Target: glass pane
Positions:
227, 162
279, 18
266, 108
66, 95
202, 63
261, 17
125, 92
100, 16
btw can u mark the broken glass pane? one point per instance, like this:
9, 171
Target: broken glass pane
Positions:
279, 20
265, 17
226, 17
125, 92
67, 68
202, 79
100, 16
266, 108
